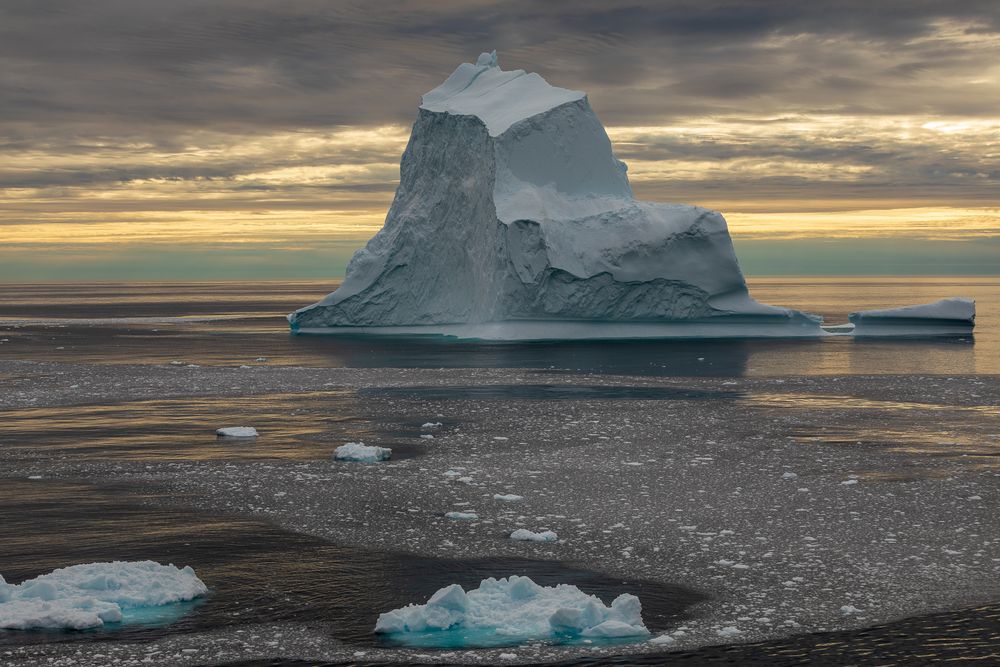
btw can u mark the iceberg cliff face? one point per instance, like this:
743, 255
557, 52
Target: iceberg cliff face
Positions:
512, 209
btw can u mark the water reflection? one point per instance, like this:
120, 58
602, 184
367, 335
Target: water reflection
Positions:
298, 426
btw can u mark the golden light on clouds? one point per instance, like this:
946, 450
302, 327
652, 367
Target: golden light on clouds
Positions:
773, 177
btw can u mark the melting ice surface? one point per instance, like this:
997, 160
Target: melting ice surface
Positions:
503, 612
91, 595
514, 220
362, 453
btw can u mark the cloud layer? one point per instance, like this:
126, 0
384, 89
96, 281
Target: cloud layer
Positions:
281, 123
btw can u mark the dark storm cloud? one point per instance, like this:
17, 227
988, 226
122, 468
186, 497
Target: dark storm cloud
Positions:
128, 66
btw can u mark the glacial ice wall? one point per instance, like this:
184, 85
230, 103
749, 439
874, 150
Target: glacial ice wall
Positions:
512, 207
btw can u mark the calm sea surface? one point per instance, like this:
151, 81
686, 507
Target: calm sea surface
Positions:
235, 323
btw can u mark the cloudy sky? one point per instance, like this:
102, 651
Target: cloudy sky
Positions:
143, 139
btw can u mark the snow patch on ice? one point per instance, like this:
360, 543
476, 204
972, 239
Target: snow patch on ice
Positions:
93, 594
511, 611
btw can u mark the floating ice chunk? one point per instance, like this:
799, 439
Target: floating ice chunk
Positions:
511, 611
525, 535
237, 432
359, 451
426, 436
507, 497
956, 315
789, 475
92, 594
461, 516
849, 609
431, 425
663, 639
728, 631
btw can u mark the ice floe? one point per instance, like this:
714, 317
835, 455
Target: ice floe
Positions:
362, 453
510, 611
93, 594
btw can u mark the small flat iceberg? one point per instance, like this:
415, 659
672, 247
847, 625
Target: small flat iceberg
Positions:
525, 535
237, 432
91, 595
953, 316
504, 612
362, 453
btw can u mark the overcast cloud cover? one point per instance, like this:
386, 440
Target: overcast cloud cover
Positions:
279, 125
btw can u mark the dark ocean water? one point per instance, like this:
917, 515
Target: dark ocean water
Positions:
236, 323
266, 574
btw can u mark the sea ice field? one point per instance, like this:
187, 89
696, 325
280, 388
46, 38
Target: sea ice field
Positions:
840, 514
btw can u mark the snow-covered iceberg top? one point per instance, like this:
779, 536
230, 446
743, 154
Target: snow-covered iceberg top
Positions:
496, 97
956, 315
510, 611
93, 594
362, 453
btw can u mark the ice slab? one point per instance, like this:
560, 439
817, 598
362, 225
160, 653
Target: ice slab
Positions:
510, 611
362, 453
237, 432
94, 594
525, 535
948, 317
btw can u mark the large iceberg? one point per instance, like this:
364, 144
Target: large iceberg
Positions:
510, 611
93, 594
513, 219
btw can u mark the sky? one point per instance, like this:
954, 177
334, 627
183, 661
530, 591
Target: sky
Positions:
241, 139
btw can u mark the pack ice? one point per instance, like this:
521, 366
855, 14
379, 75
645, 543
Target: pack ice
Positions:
509, 611
89, 595
514, 220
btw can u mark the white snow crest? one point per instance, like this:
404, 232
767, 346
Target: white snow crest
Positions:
92, 594
519, 608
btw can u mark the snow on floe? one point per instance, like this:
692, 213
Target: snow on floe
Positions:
237, 432
525, 535
92, 594
510, 611
359, 451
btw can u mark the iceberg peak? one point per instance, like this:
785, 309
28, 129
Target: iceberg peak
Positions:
496, 97
487, 59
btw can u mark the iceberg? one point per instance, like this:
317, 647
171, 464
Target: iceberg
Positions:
514, 220
93, 594
511, 611
362, 453
953, 316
